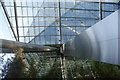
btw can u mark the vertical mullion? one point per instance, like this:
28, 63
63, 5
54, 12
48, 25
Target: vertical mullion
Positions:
59, 15
38, 19
23, 23
33, 20
75, 18
39, 24
28, 22
44, 21
100, 10
55, 20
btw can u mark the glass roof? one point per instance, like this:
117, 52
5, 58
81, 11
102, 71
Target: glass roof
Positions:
51, 19
54, 22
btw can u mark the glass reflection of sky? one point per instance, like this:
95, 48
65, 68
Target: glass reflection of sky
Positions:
35, 16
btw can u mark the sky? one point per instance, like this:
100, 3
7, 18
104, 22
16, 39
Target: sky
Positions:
5, 32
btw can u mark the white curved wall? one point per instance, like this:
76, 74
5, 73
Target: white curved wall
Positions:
99, 42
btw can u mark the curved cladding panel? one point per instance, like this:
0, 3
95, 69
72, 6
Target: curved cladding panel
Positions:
100, 42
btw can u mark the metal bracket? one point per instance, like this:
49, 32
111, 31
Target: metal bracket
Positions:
19, 53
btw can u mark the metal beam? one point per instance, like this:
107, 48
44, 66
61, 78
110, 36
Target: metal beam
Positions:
7, 16
52, 26
14, 45
54, 17
15, 10
61, 8
3, 50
